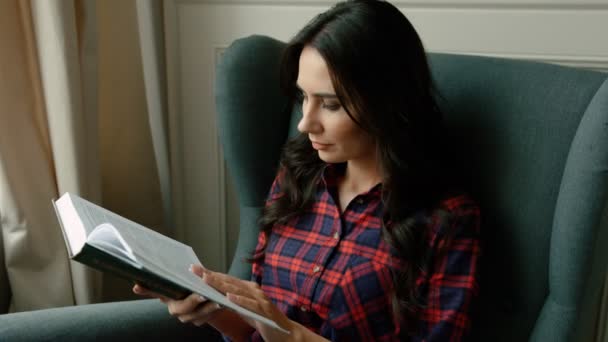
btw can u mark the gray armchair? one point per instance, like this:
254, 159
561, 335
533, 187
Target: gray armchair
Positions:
531, 139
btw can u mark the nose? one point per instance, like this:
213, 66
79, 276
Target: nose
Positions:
310, 121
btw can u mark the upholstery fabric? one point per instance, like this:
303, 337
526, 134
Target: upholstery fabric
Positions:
535, 141
140, 320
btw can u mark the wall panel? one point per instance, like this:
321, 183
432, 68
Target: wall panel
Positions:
568, 32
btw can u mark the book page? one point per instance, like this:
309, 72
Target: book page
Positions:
157, 253
196, 285
148, 246
72, 227
107, 238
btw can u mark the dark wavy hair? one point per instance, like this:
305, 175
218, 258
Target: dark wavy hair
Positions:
381, 76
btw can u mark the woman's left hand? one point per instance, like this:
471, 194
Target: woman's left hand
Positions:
249, 295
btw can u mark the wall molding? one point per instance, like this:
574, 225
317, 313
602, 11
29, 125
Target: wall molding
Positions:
441, 4
198, 31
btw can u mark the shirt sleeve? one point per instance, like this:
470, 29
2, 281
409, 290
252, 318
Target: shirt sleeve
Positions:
452, 283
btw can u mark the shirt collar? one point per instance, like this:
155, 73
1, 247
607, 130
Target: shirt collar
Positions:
332, 172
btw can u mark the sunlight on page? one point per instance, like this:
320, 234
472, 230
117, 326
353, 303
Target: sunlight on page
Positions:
107, 237
75, 231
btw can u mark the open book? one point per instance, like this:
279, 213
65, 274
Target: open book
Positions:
111, 243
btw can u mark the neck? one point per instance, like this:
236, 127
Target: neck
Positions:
361, 175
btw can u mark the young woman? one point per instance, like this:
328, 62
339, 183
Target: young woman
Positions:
363, 235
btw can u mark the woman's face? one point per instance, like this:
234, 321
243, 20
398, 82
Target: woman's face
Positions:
335, 136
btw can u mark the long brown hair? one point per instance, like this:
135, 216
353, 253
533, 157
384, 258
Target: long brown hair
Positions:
379, 71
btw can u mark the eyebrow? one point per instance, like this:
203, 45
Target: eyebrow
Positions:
321, 95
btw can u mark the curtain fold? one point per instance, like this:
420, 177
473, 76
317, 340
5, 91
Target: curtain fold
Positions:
32, 242
5, 289
74, 118
72, 129
149, 19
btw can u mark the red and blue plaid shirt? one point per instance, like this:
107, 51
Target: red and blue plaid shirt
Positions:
331, 271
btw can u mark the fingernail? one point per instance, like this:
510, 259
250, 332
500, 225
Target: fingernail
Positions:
201, 299
191, 268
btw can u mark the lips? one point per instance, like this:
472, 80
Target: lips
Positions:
319, 146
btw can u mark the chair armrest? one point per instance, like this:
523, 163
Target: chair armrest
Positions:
138, 320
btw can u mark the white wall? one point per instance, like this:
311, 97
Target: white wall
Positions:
571, 32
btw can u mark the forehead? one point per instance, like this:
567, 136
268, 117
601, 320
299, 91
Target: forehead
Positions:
313, 72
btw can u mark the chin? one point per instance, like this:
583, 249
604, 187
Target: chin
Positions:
330, 157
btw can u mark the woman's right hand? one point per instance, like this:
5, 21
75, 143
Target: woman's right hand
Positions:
193, 309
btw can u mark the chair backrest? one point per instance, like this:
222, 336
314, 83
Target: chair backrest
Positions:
532, 139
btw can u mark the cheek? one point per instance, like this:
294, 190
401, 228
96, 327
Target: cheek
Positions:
362, 144
352, 138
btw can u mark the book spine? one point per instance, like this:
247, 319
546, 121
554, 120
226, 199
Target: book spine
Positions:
105, 262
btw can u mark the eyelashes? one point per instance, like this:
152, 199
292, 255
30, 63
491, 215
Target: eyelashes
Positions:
332, 107
300, 97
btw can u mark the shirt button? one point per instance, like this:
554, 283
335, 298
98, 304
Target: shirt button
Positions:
316, 269
303, 308
359, 200
336, 236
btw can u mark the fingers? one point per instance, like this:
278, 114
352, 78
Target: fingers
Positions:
197, 269
263, 306
201, 315
255, 305
142, 291
193, 309
186, 305
224, 277
227, 284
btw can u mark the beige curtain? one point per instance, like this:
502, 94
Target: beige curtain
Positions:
73, 117
43, 151
152, 48
65, 42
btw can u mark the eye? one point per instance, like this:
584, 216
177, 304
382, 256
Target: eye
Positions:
332, 107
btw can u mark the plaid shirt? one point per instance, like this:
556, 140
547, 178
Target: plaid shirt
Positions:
330, 271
